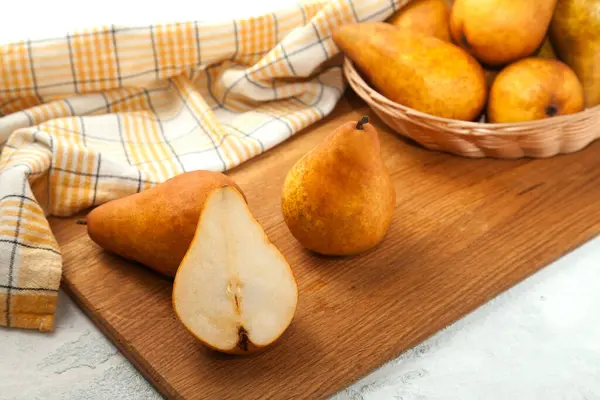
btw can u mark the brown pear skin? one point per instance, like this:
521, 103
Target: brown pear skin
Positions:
546, 50
575, 35
339, 199
415, 70
534, 88
499, 32
429, 17
155, 227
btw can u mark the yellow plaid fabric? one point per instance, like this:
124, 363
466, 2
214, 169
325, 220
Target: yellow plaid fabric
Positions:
108, 112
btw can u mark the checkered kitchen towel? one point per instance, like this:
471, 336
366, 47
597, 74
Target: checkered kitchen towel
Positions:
108, 112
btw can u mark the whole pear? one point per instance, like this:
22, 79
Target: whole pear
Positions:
155, 227
339, 199
498, 32
534, 88
430, 17
415, 70
575, 34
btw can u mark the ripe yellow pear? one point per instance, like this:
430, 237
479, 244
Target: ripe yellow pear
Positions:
534, 88
498, 32
575, 34
415, 70
339, 198
155, 227
429, 17
544, 51
234, 291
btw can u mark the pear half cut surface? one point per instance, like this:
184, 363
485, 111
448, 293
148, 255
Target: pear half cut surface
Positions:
234, 291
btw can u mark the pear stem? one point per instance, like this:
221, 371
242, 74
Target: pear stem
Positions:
361, 122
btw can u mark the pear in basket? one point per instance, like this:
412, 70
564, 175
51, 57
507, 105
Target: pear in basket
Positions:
534, 88
415, 70
544, 51
575, 34
498, 32
430, 17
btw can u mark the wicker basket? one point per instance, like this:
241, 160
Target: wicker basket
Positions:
536, 139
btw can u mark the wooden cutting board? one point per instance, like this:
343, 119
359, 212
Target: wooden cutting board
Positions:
464, 230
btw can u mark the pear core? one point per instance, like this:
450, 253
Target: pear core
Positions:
234, 290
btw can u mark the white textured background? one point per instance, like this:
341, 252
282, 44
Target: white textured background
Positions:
539, 340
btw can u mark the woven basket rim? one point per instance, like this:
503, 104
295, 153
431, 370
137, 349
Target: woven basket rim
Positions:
351, 72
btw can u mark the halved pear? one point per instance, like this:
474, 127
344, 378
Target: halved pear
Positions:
234, 291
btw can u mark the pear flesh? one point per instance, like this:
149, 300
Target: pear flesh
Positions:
234, 290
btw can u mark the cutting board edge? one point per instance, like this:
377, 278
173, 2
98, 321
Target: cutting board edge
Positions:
168, 391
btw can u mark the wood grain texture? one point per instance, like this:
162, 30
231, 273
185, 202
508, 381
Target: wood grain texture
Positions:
464, 230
